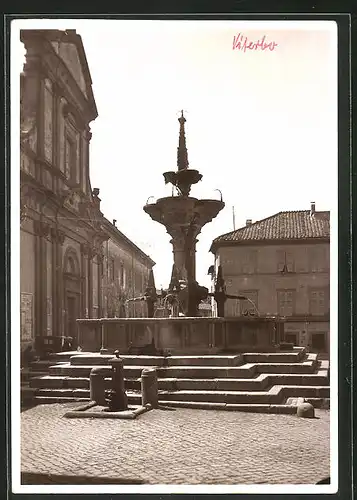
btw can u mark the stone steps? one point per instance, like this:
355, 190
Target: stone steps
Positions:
216, 360
54, 395
275, 395
275, 357
262, 381
27, 394
41, 400
133, 371
105, 359
253, 379
27, 374
247, 370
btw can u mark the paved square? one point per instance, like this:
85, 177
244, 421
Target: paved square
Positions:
178, 447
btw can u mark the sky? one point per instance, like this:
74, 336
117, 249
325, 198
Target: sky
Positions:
261, 124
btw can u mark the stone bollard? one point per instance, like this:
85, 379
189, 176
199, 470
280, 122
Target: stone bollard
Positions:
306, 410
149, 387
120, 399
97, 385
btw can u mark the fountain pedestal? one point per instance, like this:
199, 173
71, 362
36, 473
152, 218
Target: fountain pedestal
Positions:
183, 217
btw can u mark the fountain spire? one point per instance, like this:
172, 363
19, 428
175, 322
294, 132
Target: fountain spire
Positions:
182, 157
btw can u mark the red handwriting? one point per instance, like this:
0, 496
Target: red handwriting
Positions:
241, 42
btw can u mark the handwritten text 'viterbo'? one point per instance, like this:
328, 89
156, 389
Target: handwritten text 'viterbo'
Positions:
241, 42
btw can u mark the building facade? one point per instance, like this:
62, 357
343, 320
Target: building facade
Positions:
125, 275
64, 235
282, 265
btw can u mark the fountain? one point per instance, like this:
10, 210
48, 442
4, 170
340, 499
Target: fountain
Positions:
184, 217
184, 332
139, 364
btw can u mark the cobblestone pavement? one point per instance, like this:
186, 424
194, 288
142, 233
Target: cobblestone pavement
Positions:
178, 447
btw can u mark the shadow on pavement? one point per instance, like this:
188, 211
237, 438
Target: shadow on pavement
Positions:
33, 478
27, 407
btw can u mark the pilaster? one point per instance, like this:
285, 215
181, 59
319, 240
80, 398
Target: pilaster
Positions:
85, 267
100, 259
42, 232
90, 281
58, 238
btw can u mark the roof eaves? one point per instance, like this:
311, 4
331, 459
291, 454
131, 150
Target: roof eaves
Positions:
121, 235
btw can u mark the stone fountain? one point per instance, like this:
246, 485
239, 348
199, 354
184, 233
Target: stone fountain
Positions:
184, 332
184, 344
184, 217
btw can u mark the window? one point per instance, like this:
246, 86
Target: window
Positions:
250, 306
70, 159
71, 265
319, 301
228, 259
48, 117
111, 270
285, 261
130, 279
122, 274
137, 281
317, 259
249, 262
286, 302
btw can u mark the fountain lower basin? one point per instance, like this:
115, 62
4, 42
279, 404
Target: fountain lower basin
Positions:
183, 335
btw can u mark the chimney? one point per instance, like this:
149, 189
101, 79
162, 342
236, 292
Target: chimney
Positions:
115, 222
312, 210
248, 222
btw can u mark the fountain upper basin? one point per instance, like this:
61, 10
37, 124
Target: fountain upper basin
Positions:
182, 210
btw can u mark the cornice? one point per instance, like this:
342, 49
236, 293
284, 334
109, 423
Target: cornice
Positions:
261, 243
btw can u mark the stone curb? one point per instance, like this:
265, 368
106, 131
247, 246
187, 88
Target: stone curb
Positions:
130, 414
249, 408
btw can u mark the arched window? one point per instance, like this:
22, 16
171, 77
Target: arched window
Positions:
71, 263
71, 267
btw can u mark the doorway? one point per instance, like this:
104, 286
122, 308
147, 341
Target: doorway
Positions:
318, 341
291, 338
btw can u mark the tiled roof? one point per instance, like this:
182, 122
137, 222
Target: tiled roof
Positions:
281, 226
118, 234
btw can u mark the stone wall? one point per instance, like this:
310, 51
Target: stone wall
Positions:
62, 235
126, 276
